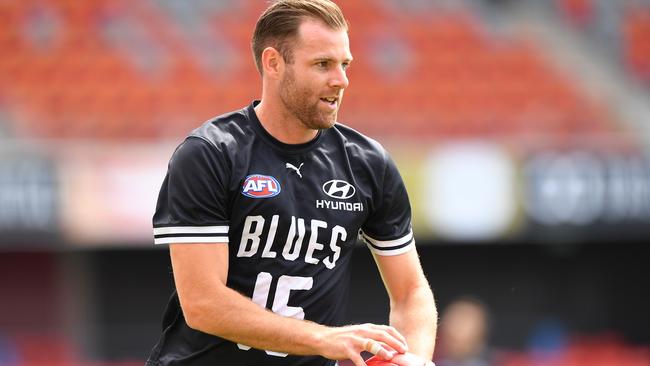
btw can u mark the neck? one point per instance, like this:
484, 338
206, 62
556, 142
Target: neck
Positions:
280, 124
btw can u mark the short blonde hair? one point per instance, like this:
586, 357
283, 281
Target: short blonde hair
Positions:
279, 24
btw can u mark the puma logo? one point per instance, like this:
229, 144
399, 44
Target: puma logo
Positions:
291, 166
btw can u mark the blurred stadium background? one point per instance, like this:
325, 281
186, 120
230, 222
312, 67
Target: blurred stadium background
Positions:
522, 129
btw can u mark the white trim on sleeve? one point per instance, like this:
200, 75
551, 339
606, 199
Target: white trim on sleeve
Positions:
191, 234
390, 247
190, 230
191, 239
387, 244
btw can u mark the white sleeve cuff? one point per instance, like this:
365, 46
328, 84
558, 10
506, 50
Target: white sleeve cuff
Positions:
390, 247
190, 234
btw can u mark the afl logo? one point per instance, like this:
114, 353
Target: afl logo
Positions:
338, 189
260, 186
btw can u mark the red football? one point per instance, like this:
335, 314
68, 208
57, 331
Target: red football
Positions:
376, 361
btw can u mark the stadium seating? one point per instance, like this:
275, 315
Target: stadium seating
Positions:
621, 28
636, 35
105, 70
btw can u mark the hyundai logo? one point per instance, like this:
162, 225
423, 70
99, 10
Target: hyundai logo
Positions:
340, 189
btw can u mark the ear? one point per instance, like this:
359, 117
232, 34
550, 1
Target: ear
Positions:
272, 62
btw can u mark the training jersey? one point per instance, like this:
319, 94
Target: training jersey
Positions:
290, 215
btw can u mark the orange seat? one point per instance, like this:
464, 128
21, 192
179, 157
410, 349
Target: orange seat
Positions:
454, 79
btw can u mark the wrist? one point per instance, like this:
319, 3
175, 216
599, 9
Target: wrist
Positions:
317, 339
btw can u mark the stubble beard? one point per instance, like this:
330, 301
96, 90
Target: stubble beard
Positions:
297, 102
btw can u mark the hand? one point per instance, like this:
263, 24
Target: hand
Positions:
410, 359
348, 342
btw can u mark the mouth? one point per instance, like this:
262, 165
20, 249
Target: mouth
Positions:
331, 102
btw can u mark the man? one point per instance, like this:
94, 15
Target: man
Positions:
261, 208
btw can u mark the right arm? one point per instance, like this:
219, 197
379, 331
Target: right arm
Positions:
200, 273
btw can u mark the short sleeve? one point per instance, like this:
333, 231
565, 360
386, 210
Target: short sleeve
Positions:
388, 229
193, 200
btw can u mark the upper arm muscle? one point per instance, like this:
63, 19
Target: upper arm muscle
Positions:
199, 270
400, 273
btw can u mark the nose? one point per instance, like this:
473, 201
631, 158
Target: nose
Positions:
339, 79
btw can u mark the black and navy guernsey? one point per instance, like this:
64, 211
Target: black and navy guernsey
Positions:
290, 215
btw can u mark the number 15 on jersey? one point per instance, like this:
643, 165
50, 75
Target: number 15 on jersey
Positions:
280, 306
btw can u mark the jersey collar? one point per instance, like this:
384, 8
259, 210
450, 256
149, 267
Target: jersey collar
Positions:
267, 137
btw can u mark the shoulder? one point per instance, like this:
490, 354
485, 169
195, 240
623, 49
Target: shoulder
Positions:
226, 131
360, 145
214, 140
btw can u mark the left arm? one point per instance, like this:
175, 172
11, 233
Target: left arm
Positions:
412, 307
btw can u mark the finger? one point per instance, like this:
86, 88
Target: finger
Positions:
372, 346
382, 335
390, 331
394, 332
357, 360
379, 349
389, 348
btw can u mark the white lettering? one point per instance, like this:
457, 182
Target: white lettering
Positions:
284, 287
259, 185
313, 244
286, 284
251, 186
337, 231
268, 184
255, 230
253, 237
292, 254
342, 206
267, 252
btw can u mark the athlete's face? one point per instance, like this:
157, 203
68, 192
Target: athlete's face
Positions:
311, 87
